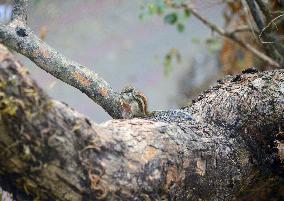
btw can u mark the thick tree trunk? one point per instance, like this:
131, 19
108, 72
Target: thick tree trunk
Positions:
225, 146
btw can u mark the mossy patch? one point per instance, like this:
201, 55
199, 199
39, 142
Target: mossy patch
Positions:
8, 105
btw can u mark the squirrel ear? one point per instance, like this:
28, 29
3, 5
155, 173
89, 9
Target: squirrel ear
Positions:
127, 89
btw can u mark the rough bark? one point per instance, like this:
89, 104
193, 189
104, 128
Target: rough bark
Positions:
20, 10
225, 146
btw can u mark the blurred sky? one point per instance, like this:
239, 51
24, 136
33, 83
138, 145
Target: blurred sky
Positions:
108, 37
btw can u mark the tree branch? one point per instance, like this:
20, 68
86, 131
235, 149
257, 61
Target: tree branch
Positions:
240, 29
22, 40
264, 7
255, 14
232, 37
17, 36
269, 25
20, 10
223, 147
274, 48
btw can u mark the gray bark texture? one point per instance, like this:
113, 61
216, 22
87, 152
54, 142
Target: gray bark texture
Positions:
226, 145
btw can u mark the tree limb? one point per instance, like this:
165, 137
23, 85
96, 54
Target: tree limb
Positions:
222, 147
17, 36
264, 7
241, 29
255, 14
20, 10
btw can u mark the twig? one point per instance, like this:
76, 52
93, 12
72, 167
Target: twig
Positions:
266, 27
20, 8
232, 37
241, 29
17, 36
229, 35
249, 18
255, 14
274, 49
264, 9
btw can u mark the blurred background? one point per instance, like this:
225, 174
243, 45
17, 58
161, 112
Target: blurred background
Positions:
126, 45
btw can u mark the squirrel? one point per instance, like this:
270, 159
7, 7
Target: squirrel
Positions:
130, 94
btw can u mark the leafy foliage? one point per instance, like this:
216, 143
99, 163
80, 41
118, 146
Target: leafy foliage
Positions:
177, 18
172, 16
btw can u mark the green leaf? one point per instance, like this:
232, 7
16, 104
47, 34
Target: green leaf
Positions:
171, 18
180, 27
187, 13
152, 8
